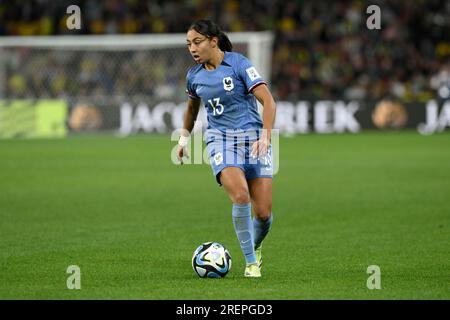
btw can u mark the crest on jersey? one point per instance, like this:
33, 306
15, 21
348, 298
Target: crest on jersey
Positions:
228, 84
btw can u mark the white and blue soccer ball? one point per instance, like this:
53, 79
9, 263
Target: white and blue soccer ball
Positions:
211, 260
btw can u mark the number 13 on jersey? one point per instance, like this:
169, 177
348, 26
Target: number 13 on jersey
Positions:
216, 106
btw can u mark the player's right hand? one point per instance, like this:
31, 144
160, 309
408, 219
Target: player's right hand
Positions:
182, 152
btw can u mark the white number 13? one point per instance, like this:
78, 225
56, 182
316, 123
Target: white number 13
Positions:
216, 106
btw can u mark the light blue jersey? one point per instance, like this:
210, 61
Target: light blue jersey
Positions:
232, 112
226, 93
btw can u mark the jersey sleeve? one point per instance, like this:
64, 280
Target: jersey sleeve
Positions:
249, 74
190, 90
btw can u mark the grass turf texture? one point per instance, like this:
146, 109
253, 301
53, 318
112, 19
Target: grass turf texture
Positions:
130, 219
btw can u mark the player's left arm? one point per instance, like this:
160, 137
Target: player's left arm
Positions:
263, 95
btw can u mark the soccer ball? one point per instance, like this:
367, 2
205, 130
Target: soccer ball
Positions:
211, 260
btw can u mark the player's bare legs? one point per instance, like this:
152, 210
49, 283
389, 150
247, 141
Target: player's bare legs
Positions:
234, 182
261, 197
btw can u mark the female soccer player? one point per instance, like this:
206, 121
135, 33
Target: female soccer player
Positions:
239, 151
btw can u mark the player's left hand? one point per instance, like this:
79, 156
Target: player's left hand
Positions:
260, 147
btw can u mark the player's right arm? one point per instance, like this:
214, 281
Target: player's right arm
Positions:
193, 106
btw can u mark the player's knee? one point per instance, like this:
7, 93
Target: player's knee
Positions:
264, 213
264, 217
241, 197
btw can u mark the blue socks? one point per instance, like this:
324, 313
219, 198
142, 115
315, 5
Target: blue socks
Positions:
261, 228
242, 221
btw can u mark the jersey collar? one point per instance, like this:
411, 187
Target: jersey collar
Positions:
226, 59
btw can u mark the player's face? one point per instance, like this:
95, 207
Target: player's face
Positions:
200, 46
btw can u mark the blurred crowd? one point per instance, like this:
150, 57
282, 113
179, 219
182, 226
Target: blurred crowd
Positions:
322, 49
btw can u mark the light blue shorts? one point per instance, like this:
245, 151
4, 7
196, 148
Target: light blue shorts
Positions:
225, 151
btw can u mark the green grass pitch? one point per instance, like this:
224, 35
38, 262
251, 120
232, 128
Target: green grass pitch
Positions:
130, 219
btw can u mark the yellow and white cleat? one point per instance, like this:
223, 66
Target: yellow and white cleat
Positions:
258, 254
252, 271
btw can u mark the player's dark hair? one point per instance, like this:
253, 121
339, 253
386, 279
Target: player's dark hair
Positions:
210, 29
